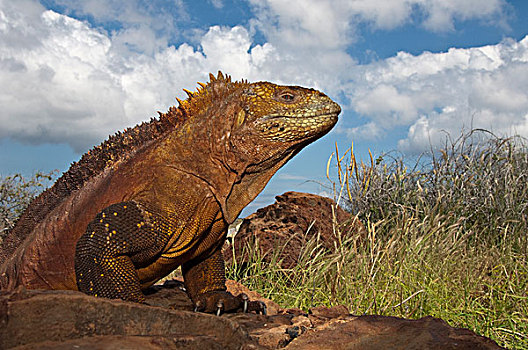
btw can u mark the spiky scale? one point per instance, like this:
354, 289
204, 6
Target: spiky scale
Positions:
189, 93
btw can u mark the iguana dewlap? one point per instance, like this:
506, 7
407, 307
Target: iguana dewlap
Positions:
162, 194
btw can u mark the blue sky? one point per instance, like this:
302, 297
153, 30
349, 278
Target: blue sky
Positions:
404, 71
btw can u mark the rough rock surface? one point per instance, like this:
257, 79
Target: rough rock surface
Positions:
384, 332
32, 319
287, 224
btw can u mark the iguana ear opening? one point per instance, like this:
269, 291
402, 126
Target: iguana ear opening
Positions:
240, 118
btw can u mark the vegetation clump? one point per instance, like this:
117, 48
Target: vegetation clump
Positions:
446, 237
16, 192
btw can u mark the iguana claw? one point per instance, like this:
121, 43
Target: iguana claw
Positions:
245, 300
258, 306
219, 302
219, 307
197, 306
264, 308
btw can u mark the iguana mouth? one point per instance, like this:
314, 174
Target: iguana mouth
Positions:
330, 111
280, 127
297, 117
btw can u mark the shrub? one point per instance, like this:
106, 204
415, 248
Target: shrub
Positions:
16, 192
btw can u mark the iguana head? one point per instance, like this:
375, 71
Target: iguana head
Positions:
281, 117
287, 113
251, 130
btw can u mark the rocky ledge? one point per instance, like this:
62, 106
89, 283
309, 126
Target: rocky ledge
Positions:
31, 319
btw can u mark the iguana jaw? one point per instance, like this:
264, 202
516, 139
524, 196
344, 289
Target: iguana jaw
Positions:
306, 124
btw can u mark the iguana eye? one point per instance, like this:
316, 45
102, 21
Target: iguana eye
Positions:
286, 97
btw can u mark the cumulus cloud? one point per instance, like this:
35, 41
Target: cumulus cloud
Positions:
318, 24
140, 26
65, 81
53, 76
441, 14
432, 93
332, 24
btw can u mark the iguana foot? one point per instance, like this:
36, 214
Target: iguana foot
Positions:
219, 302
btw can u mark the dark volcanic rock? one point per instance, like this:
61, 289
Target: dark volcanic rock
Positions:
289, 223
32, 319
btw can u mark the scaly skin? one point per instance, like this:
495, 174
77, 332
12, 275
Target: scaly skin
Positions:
161, 195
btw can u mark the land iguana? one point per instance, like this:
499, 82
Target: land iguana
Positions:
162, 194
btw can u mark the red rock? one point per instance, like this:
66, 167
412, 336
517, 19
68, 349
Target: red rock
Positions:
333, 312
45, 319
383, 332
289, 223
321, 314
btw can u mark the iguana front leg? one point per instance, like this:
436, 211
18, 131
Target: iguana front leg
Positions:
124, 238
116, 243
205, 283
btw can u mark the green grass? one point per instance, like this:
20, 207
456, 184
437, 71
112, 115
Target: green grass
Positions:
446, 239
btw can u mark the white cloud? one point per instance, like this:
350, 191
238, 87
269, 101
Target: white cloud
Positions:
217, 3
482, 87
228, 48
304, 23
53, 77
141, 26
332, 24
62, 80
441, 14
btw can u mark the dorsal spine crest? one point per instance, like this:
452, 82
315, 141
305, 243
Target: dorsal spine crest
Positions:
117, 147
